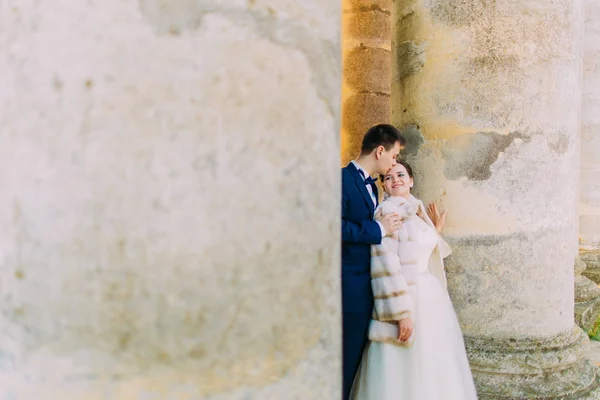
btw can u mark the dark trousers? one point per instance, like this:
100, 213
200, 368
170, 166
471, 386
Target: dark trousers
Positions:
354, 338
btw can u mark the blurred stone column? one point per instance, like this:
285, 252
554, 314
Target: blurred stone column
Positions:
163, 234
489, 93
589, 206
366, 83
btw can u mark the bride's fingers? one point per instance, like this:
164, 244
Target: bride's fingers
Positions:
408, 333
432, 211
404, 335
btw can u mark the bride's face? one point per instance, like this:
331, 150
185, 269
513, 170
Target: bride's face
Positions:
397, 182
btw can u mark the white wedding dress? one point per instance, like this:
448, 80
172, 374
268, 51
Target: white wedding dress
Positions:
435, 367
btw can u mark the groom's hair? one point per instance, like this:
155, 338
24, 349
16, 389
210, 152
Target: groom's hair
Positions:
385, 135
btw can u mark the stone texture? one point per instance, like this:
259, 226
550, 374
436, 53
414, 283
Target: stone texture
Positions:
358, 70
158, 218
587, 298
589, 215
498, 146
592, 262
589, 199
585, 289
369, 26
587, 314
519, 369
366, 84
592, 353
495, 298
361, 111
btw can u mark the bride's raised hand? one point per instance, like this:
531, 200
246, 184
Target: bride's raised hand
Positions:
439, 220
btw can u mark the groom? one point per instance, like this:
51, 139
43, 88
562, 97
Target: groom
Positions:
380, 148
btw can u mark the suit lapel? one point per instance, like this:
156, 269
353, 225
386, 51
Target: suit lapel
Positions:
362, 188
376, 193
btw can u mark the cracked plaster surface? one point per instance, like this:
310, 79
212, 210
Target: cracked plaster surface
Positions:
140, 141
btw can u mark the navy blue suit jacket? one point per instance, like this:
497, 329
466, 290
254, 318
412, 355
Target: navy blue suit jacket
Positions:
359, 232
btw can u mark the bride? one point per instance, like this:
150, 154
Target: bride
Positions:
416, 349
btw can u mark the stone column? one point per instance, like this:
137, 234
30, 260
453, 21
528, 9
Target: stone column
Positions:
489, 93
366, 83
163, 234
587, 292
589, 206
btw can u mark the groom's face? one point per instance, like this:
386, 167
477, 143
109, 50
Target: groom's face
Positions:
387, 158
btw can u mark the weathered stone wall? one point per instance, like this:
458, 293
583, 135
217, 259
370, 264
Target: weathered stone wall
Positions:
590, 132
163, 234
489, 94
501, 126
501, 130
366, 84
589, 200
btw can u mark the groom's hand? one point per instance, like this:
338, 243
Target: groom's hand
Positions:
405, 329
391, 222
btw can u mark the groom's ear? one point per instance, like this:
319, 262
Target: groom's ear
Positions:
379, 151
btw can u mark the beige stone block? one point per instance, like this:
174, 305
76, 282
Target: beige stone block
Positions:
359, 112
368, 70
367, 27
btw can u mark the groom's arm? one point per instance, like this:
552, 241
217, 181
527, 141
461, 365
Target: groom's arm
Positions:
366, 231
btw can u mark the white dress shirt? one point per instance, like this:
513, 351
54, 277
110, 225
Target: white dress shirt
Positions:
370, 190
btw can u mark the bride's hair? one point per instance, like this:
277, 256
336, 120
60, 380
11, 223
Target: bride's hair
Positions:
406, 165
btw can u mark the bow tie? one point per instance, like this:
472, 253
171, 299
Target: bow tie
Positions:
370, 181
